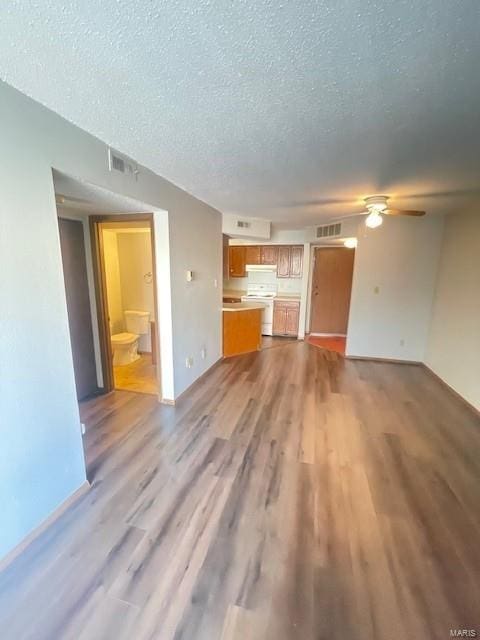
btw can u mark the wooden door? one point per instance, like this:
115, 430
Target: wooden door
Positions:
285, 318
296, 261
279, 319
252, 255
78, 306
237, 262
291, 320
269, 254
283, 264
331, 290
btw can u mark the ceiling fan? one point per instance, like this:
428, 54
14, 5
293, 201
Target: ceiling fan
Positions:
377, 205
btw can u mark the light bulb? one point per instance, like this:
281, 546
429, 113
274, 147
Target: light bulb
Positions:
351, 243
374, 220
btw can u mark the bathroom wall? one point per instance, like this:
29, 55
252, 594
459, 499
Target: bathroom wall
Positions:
128, 258
112, 274
135, 261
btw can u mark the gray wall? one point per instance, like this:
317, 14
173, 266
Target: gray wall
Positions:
41, 458
454, 344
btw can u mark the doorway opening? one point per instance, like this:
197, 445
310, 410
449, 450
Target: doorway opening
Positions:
332, 275
126, 300
82, 209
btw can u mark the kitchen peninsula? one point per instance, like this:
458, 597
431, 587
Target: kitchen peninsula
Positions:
242, 327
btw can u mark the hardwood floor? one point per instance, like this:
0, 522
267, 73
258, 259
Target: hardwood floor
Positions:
139, 376
292, 494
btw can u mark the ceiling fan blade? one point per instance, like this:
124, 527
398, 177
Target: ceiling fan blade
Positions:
403, 212
348, 215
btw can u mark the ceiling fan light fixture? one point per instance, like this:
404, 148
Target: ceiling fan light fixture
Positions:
376, 203
350, 243
374, 220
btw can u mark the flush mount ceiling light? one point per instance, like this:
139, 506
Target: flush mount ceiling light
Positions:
350, 243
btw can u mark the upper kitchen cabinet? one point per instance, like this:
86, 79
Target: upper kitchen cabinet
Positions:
296, 261
253, 255
283, 264
237, 262
269, 254
290, 262
287, 258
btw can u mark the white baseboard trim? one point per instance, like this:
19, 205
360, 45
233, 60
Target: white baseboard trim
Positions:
468, 404
387, 360
170, 402
328, 335
23, 544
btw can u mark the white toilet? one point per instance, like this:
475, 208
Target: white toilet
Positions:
125, 345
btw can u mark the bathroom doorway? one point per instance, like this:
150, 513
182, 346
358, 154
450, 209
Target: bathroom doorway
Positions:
124, 265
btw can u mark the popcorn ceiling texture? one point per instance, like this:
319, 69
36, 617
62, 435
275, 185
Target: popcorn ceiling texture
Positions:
265, 107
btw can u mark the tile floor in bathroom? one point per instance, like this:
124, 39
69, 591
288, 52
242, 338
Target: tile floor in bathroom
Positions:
139, 376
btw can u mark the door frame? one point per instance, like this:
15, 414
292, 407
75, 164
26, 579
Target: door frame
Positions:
100, 281
313, 248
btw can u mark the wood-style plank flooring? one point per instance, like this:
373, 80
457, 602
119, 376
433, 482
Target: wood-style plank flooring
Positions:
292, 494
139, 376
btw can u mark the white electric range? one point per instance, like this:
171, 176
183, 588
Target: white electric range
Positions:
264, 293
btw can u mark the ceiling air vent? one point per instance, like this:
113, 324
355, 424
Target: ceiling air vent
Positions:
121, 163
241, 224
329, 230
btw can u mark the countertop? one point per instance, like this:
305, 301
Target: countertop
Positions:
234, 293
289, 297
242, 306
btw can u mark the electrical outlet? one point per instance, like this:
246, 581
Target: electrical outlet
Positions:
189, 362
82, 428
376, 290
402, 342
203, 353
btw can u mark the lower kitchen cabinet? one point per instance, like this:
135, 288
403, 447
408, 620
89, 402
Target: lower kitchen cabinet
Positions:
285, 318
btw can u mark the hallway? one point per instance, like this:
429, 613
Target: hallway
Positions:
291, 494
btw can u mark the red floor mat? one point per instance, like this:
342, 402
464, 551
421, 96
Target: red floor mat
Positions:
331, 343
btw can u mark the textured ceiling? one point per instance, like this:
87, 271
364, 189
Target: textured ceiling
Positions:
287, 110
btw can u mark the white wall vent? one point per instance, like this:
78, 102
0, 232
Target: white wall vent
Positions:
121, 163
241, 224
329, 230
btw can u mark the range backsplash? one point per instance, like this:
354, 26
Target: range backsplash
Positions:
285, 285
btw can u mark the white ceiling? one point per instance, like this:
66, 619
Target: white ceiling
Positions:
290, 110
